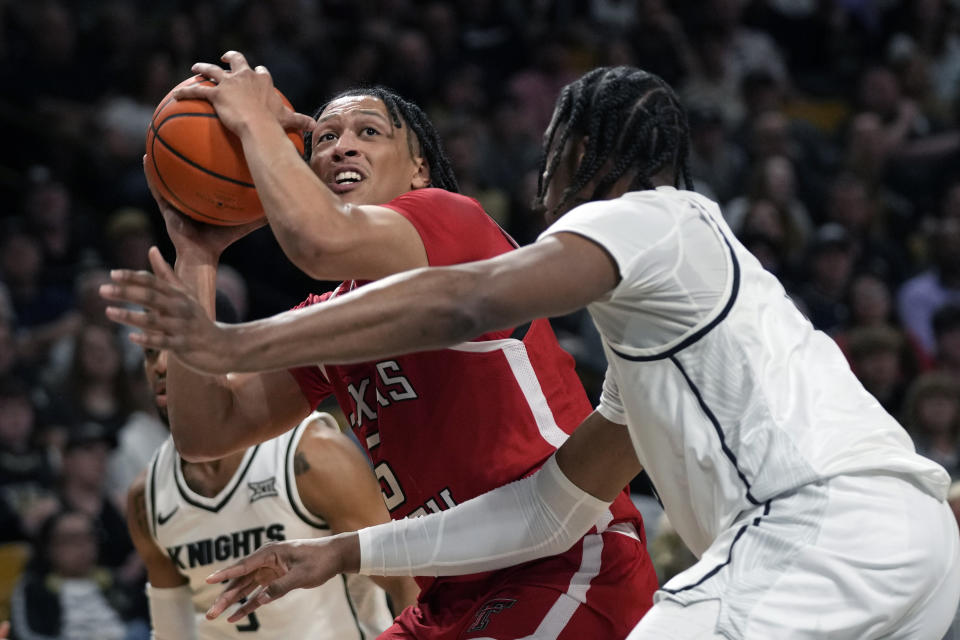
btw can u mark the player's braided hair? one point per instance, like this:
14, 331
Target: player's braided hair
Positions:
423, 133
633, 122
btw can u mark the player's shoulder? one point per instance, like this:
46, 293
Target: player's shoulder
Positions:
158, 462
324, 456
432, 198
321, 436
653, 210
138, 488
137, 514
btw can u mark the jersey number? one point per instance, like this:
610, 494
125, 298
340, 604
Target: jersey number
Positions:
389, 486
252, 623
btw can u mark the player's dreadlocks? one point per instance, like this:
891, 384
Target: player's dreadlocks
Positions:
424, 140
633, 122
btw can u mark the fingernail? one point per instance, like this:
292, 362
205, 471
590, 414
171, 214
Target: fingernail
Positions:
115, 273
263, 598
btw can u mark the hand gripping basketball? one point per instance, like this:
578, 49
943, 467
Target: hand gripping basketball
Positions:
194, 158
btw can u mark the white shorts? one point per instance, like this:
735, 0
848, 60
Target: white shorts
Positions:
853, 557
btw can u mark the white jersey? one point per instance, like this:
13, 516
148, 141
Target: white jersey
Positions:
730, 395
259, 504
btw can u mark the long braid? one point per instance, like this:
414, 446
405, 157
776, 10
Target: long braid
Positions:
633, 122
562, 114
422, 137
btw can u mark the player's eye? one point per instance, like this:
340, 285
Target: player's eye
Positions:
327, 136
370, 131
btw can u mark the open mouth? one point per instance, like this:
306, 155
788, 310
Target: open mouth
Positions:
346, 180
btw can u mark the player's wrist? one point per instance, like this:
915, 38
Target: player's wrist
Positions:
346, 548
261, 129
230, 351
193, 259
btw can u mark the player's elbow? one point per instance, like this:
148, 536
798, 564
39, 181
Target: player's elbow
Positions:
192, 443
563, 541
195, 449
455, 322
308, 255
191, 452
459, 312
320, 251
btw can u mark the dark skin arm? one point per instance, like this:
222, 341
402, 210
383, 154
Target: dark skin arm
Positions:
553, 276
598, 457
336, 484
453, 304
325, 237
248, 409
161, 571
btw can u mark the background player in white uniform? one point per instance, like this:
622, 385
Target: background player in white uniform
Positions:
188, 519
811, 513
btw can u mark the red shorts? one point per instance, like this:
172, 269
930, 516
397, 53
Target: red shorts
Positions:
600, 588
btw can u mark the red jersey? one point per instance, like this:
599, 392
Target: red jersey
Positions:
445, 426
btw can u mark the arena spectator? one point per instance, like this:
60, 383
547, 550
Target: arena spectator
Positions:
920, 296
932, 415
946, 331
65, 593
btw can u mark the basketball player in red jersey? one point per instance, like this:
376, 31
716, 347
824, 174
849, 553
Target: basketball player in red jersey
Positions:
377, 197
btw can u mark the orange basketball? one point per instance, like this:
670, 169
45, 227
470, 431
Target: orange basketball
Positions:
197, 164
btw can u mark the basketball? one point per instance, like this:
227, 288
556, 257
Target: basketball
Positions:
197, 164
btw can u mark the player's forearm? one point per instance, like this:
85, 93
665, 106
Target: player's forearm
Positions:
431, 308
304, 215
423, 309
197, 400
199, 410
538, 516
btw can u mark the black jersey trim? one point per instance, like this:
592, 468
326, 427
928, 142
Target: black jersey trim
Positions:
291, 482
237, 480
727, 451
157, 135
697, 335
353, 609
153, 491
716, 570
180, 203
519, 333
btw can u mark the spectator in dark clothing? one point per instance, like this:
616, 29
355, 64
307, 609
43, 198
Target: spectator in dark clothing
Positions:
830, 264
932, 416
27, 480
946, 331
64, 593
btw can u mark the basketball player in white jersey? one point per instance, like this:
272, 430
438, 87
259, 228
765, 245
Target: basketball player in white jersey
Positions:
188, 519
810, 512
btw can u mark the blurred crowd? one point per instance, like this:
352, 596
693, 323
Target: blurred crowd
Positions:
829, 131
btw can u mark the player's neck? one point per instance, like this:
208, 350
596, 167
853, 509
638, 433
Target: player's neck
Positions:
665, 178
209, 478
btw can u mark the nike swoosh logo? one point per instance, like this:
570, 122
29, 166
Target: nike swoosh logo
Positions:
162, 519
